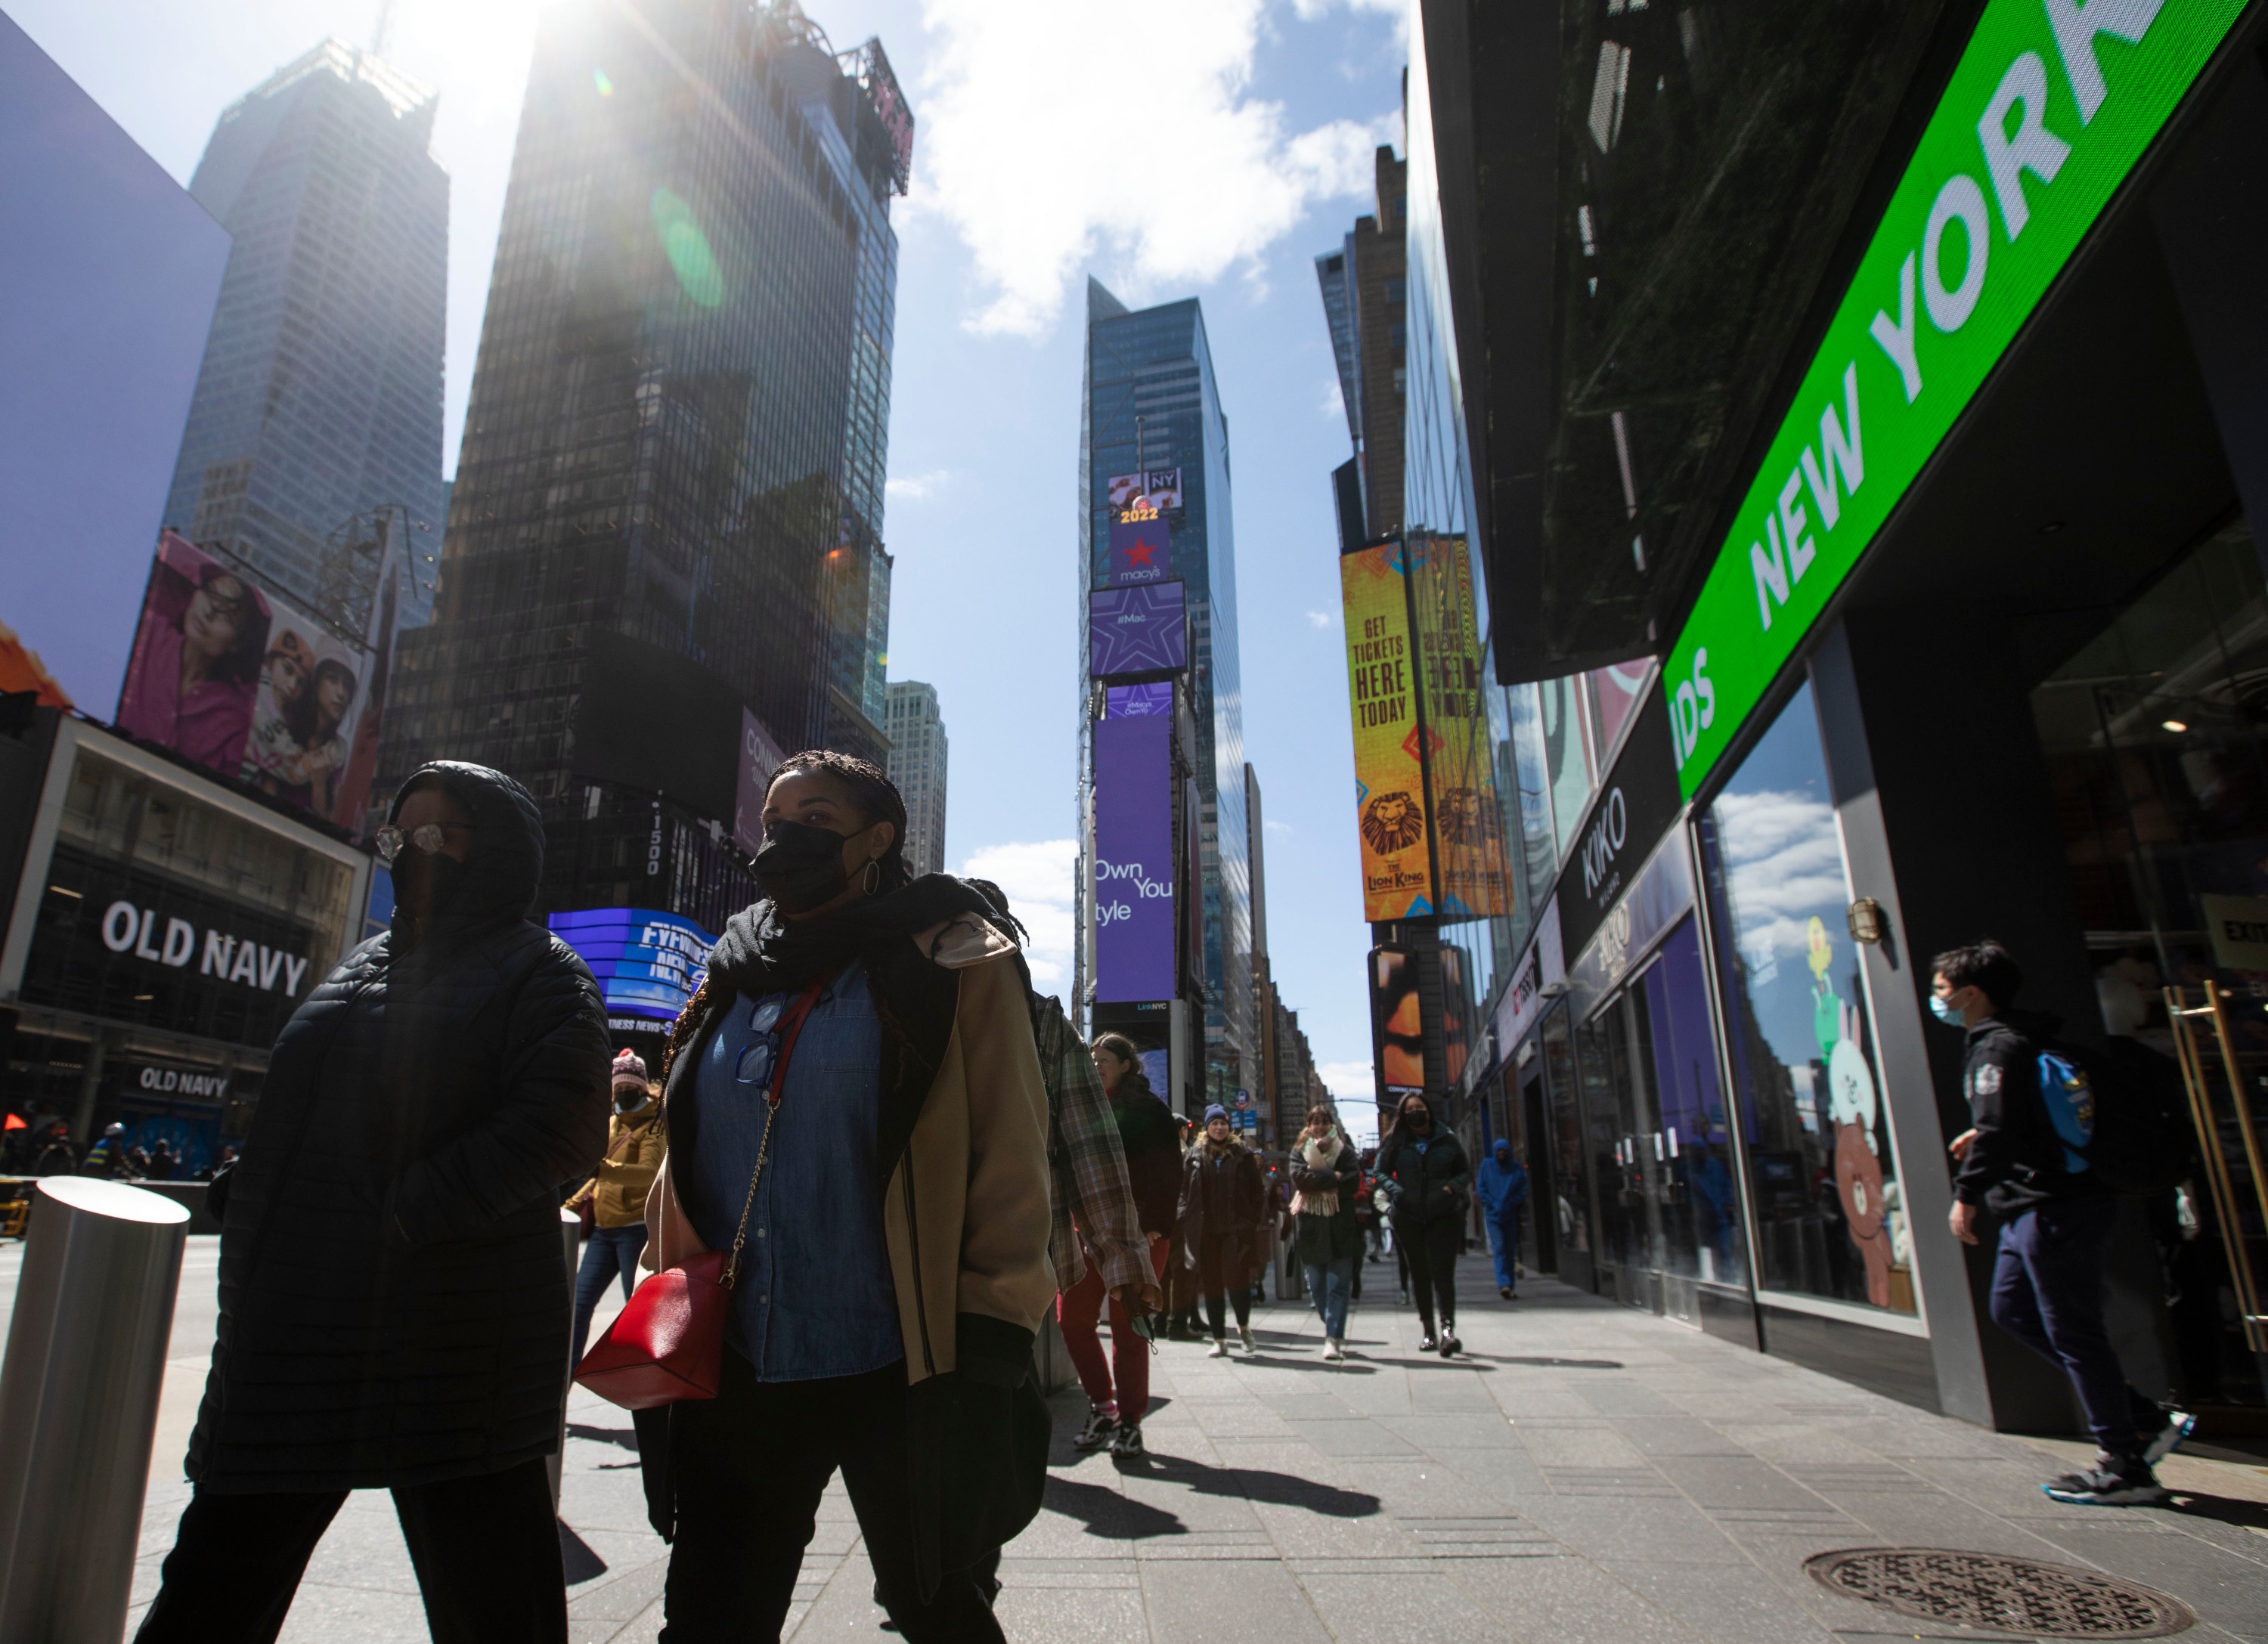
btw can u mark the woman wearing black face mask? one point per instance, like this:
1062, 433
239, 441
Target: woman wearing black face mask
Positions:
1427, 1165
853, 1103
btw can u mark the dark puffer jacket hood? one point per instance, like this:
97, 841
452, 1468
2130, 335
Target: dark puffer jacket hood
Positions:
506, 861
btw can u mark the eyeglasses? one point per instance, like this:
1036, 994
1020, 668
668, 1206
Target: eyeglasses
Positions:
426, 837
757, 1061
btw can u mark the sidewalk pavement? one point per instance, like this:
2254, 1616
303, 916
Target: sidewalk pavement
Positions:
1587, 1473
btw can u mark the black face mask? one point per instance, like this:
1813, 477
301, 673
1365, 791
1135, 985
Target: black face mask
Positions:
631, 1099
801, 866
432, 878
1419, 1120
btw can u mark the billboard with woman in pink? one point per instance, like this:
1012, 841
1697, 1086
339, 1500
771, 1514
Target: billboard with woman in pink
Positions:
192, 680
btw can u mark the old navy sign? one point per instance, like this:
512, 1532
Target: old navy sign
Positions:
1635, 807
2052, 104
129, 927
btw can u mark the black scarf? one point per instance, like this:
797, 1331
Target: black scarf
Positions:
762, 953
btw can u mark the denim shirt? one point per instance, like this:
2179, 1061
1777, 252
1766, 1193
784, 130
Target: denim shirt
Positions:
814, 1297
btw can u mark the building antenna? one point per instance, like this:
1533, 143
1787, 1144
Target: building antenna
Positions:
385, 26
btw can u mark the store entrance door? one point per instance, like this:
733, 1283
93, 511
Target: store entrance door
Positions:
2156, 738
1542, 1196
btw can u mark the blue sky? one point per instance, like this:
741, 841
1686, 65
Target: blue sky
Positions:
1205, 147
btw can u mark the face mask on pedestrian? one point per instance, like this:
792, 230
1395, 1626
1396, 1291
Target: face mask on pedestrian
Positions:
800, 867
426, 882
1417, 1119
631, 1099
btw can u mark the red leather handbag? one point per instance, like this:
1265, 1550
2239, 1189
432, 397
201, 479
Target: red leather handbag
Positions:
667, 1343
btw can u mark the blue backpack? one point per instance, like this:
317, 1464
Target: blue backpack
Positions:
2068, 1095
2122, 1114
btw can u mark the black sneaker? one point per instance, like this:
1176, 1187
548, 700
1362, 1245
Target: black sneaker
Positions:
1426, 1343
1096, 1433
2163, 1431
1449, 1343
1127, 1441
1505, 1290
2113, 1481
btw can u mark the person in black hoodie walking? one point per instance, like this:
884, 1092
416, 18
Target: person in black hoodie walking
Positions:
1430, 1173
2056, 1216
1223, 1199
393, 1300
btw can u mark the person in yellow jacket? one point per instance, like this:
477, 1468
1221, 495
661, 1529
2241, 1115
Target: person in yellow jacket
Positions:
616, 1195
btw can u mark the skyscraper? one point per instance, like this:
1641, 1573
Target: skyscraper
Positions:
917, 734
1151, 415
668, 511
1364, 284
320, 398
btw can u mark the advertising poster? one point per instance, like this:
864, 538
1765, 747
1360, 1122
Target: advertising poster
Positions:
232, 677
1132, 702
759, 757
1141, 545
1468, 826
1394, 1010
647, 963
1161, 486
1143, 629
1390, 784
1133, 860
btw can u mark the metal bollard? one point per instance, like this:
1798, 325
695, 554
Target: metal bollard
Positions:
79, 1405
570, 1237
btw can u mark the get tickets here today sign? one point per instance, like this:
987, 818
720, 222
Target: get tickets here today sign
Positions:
2051, 106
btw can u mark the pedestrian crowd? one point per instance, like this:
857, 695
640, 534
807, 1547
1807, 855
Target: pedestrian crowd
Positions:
873, 1158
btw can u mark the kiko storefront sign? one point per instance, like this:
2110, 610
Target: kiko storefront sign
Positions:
2051, 106
1636, 805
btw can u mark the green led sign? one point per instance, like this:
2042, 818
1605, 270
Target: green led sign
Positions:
2052, 105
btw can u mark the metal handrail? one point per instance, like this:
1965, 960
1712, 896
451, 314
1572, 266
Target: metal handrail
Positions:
2182, 1016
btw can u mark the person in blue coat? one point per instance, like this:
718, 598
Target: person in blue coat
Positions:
1502, 1188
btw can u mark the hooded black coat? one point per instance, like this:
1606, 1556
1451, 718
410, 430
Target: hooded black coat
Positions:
393, 1297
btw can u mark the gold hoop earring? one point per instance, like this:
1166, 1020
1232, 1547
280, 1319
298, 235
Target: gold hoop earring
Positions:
873, 875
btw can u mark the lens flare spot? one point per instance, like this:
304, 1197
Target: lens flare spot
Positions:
687, 247
598, 79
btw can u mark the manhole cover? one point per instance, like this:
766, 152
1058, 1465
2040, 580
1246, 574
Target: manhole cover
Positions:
1985, 1590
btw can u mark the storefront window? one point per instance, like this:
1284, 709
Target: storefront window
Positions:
1567, 757
1570, 1177
1822, 1169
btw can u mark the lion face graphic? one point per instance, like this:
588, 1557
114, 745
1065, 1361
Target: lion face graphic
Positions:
1462, 818
1391, 823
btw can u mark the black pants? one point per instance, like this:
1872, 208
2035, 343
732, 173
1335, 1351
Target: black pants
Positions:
1216, 1312
486, 1550
1432, 1248
749, 1465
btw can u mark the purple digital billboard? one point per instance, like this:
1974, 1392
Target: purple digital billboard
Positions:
1133, 860
1131, 701
1141, 545
1143, 629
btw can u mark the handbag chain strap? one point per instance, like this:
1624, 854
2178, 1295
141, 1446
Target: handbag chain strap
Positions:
791, 1026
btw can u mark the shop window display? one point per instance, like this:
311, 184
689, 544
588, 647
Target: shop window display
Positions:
1823, 1173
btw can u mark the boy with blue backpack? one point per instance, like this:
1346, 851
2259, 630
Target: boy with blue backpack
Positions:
2032, 1107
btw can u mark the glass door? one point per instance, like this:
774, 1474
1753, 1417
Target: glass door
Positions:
2155, 734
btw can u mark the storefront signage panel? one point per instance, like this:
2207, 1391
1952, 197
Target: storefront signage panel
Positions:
2051, 106
1542, 965
1142, 629
1461, 768
1657, 899
1636, 803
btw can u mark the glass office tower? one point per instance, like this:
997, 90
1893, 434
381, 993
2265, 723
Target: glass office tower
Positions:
678, 431
320, 398
1152, 407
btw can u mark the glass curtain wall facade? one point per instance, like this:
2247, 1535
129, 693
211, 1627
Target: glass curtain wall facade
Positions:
320, 397
679, 410
1151, 404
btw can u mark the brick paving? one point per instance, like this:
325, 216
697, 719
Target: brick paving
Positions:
1587, 1474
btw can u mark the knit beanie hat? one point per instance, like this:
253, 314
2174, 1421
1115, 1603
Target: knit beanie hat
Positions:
1216, 1112
630, 1065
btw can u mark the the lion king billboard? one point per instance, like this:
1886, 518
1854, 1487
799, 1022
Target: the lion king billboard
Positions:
1389, 772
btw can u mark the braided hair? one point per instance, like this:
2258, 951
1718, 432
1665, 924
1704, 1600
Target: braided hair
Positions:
875, 795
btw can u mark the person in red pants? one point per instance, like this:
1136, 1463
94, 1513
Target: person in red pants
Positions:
1150, 1141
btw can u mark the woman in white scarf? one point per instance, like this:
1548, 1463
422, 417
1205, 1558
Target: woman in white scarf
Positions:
1325, 1173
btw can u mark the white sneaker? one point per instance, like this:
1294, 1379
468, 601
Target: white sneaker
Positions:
1219, 1348
1244, 1333
1331, 1348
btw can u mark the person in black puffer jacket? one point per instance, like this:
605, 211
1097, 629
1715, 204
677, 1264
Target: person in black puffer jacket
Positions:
1430, 1173
393, 1304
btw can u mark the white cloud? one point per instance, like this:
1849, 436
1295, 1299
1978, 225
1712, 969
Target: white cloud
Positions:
1785, 859
1333, 403
917, 488
1047, 146
1319, 620
1038, 878
1315, 11
1272, 826
1353, 1092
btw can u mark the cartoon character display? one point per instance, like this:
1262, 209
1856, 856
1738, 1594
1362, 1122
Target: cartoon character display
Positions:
1852, 1113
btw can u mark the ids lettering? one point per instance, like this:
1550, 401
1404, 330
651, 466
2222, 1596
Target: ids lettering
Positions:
1128, 876
127, 929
